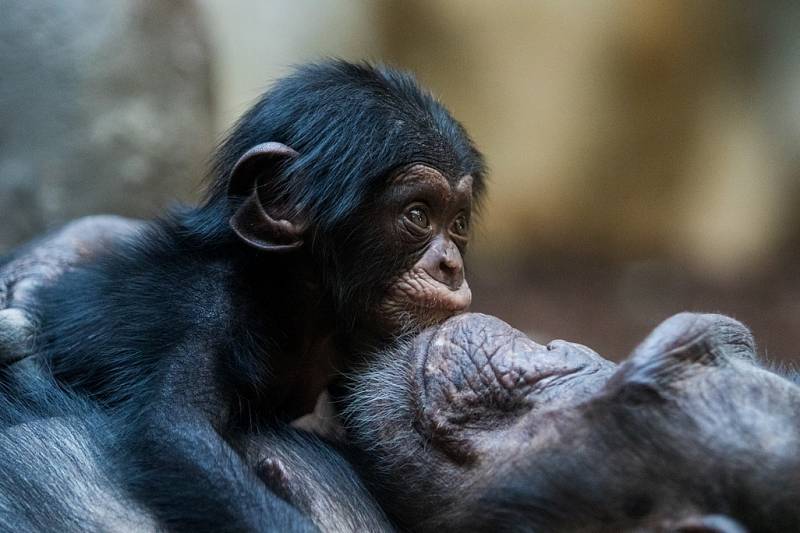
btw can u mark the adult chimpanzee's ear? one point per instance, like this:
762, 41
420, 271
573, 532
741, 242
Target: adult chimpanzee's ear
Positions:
252, 222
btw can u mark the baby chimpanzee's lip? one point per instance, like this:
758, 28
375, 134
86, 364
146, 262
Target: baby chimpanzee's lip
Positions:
446, 299
457, 300
416, 301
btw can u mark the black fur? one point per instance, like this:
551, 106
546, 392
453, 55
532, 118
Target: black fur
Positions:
194, 336
66, 466
60, 469
352, 124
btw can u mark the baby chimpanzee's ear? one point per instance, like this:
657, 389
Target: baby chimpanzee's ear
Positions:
253, 222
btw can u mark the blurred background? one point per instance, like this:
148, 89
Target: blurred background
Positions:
645, 155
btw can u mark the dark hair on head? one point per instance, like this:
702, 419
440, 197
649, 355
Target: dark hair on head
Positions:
352, 124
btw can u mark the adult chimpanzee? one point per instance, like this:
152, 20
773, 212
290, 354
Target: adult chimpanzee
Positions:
473, 426
337, 218
471, 423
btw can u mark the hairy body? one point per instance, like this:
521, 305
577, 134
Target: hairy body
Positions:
474, 426
336, 219
66, 467
41, 263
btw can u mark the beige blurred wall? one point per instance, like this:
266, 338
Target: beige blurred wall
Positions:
256, 42
105, 107
622, 130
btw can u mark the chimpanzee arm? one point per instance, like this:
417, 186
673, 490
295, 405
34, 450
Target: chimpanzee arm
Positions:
182, 467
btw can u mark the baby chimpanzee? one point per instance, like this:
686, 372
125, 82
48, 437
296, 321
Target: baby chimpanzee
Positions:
337, 218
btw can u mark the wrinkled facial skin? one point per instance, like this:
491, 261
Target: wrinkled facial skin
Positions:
438, 415
428, 217
473, 425
480, 375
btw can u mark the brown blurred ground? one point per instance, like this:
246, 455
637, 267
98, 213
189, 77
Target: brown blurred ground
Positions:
612, 307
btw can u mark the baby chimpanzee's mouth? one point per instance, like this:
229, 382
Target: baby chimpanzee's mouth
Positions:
417, 300
417, 288
445, 300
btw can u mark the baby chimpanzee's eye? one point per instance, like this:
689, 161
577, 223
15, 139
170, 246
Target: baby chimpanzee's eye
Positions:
461, 225
418, 216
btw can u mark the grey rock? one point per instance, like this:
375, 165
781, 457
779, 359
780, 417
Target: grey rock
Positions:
104, 107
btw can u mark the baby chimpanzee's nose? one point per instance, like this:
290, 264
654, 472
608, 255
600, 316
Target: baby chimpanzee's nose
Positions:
443, 263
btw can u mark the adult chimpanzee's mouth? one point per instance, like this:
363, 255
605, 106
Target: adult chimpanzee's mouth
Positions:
474, 368
536, 382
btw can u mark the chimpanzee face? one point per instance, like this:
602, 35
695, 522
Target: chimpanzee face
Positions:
393, 265
474, 425
427, 217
